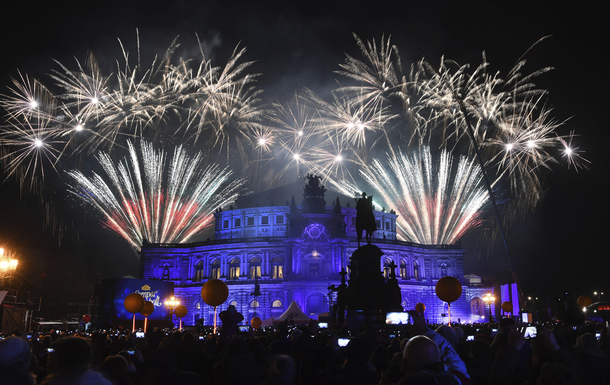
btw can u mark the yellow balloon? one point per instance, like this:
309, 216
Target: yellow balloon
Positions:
180, 311
584, 301
448, 289
134, 302
256, 322
147, 309
214, 292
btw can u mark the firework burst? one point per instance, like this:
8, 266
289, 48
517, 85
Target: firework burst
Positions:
146, 197
437, 200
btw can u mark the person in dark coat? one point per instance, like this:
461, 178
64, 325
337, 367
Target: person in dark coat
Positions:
230, 318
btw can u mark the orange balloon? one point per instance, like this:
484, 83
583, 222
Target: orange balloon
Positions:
180, 311
420, 308
448, 289
507, 306
134, 302
584, 301
256, 322
148, 309
214, 292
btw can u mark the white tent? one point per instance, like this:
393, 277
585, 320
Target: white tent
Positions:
294, 314
268, 322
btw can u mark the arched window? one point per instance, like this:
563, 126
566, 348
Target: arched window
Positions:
277, 308
215, 273
277, 268
255, 268
477, 307
403, 269
386, 268
165, 276
198, 272
443, 269
254, 304
234, 303
234, 268
416, 270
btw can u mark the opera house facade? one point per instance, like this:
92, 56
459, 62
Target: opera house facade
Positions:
270, 255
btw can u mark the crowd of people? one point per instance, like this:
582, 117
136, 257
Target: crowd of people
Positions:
416, 353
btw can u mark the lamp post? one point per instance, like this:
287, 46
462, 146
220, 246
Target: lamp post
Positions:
7, 266
490, 300
534, 299
172, 304
598, 294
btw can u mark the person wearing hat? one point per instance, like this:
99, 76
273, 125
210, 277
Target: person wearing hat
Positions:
230, 319
15, 358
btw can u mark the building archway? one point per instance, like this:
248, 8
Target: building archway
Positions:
316, 304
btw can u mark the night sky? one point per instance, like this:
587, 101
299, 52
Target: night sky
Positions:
560, 247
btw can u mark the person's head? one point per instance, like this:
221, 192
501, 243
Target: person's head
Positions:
284, 369
357, 352
231, 309
587, 341
419, 352
71, 354
15, 354
459, 332
506, 325
115, 367
449, 334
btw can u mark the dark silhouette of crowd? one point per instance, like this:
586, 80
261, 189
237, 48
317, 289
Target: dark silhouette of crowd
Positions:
415, 354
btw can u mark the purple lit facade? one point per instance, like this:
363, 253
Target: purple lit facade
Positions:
297, 255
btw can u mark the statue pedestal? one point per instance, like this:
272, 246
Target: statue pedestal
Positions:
368, 296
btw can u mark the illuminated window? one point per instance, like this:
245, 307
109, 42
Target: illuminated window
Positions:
255, 268
386, 269
198, 272
265, 220
198, 306
254, 304
277, 308
234, 269
277, 268
250, 221
416, 270
403, 269
215, 273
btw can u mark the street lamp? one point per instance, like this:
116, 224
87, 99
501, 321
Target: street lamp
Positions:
598, 295
172, 304
490, 300
533, 299
7, 265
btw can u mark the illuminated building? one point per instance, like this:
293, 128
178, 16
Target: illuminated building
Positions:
298, 251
